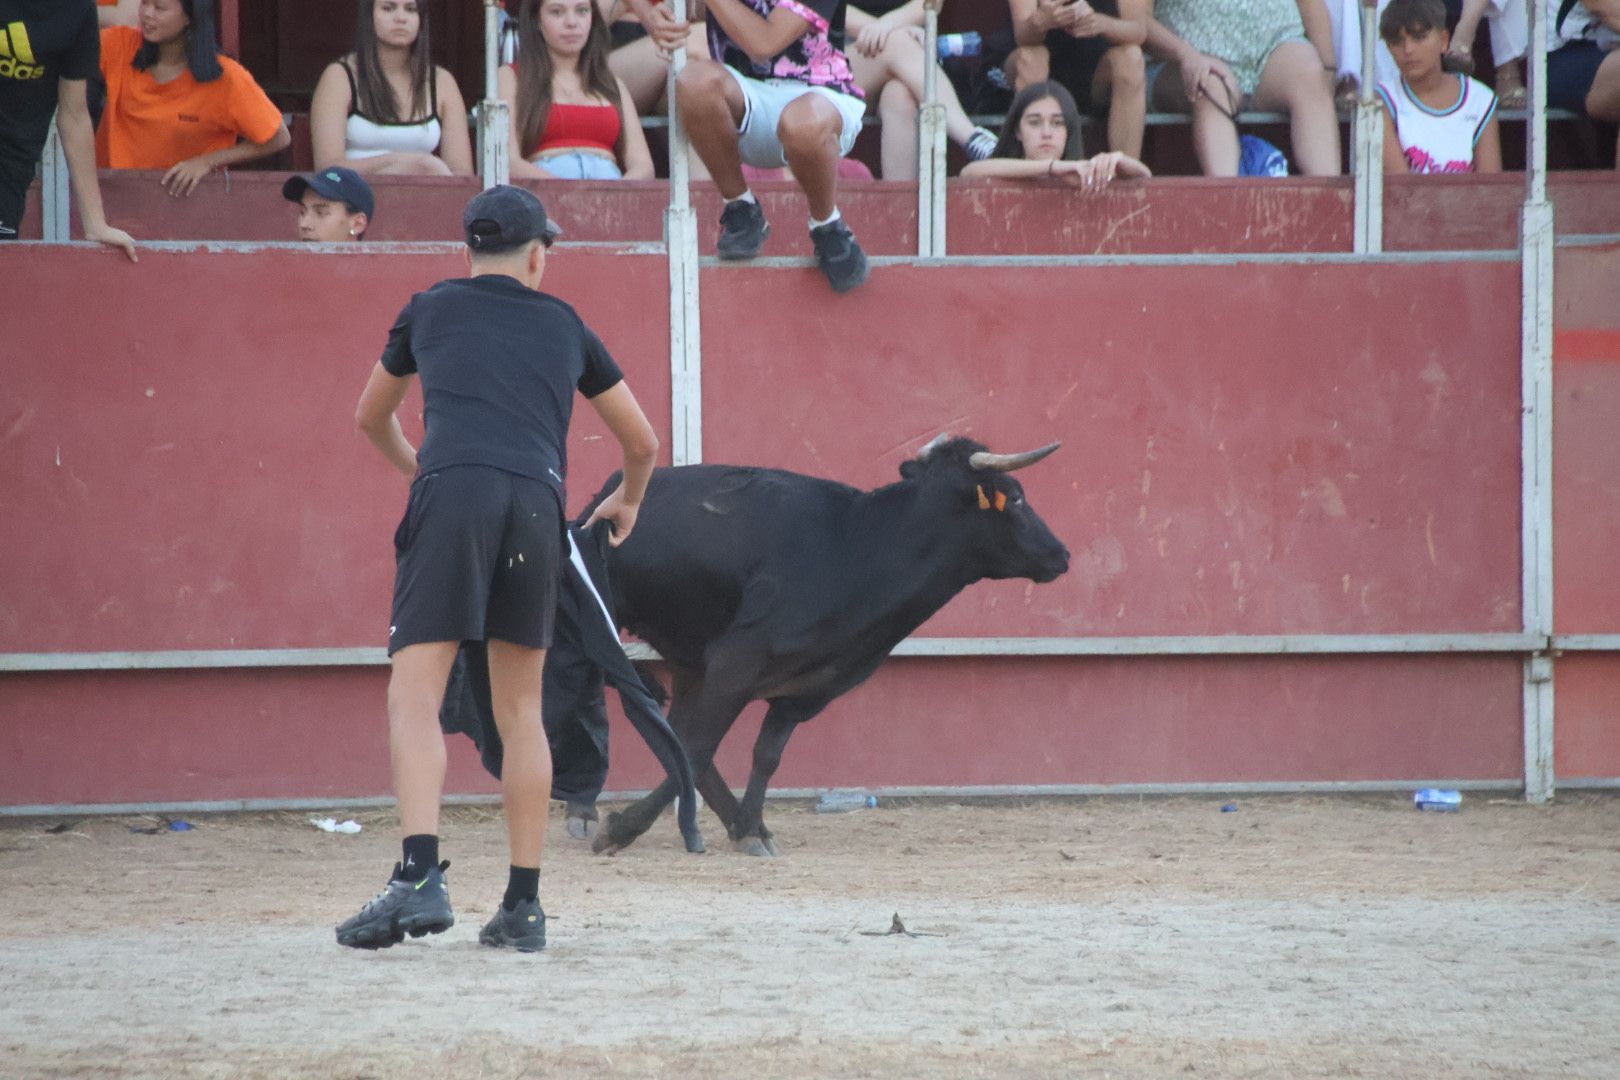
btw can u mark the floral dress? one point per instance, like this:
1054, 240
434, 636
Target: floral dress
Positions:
1241, 32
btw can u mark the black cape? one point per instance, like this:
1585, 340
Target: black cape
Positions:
585, 653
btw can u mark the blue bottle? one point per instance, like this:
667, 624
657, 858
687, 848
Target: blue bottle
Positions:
838, 800
968, 44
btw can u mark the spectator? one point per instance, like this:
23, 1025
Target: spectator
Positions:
1434, 121
334, 205
639, 60
48, 52
1095, 50
779, 91
174, 103
386, 109
887, 60
1583, 61
1232, 54
1041, 138
571, 117
1510, 38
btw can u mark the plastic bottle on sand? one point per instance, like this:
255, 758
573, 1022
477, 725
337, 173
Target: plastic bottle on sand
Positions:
838, 800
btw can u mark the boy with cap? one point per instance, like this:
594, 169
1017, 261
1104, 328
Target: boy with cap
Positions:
478, 552
334, 205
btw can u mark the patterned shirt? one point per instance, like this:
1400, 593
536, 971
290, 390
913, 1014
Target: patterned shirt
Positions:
816, 59
1241, 32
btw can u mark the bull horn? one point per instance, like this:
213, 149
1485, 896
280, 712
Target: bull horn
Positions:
933, 444
984, 459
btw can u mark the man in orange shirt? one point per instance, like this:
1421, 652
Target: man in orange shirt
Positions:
174, 103
48, 49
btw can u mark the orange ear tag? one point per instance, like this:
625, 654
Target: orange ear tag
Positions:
1001, 500
984, 500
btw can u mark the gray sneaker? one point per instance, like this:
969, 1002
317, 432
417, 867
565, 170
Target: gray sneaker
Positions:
839, 256
403, 907
743, 230
523, 928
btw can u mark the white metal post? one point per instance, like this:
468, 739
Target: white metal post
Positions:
931, 145
1367, 144
685, 314
494, 117
56, 199
1536, 238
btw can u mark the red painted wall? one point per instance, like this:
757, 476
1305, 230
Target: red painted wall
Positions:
1166, 216
1248, 449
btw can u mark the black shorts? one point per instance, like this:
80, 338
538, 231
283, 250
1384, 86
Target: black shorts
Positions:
13, 200
478, 556
1074, 63
1571, 71
625, 31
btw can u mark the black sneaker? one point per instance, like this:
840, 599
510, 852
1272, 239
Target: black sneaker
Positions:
404, 907
523, 928
839, 256
743, 230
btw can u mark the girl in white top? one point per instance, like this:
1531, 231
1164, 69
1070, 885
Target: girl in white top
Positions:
1434, 122
386, 108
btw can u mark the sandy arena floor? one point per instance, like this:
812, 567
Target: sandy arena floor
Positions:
1296, 937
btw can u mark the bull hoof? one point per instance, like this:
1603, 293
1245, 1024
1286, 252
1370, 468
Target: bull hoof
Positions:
582, 828
757, 846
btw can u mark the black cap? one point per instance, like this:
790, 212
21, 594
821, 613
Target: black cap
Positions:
338, 184
505, 217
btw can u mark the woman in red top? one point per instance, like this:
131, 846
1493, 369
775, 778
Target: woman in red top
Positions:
174, 103
571, 118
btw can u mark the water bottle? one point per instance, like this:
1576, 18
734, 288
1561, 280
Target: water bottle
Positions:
1438, 800
968, 44
838, 800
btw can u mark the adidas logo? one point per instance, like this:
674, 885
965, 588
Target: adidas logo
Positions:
17, 54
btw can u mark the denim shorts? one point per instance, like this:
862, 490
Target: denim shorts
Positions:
579, 165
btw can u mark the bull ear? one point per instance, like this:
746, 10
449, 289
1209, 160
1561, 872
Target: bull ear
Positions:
983, 459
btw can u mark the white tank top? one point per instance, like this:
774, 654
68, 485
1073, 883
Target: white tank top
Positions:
1440, 140
365, 137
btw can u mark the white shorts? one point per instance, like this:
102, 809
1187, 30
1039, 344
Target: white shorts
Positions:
757, 140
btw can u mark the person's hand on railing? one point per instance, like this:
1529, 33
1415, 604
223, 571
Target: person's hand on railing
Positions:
667, 30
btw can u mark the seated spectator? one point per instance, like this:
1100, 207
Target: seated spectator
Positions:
571, 118
887, 60
1230, 57
175, 103
386, 109
1095, 50
779, 91
1509, 31
334, 205
1041, 138
1583, 59
1434, 121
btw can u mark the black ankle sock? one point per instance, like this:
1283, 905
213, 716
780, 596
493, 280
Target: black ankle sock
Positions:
421, 855
523, 883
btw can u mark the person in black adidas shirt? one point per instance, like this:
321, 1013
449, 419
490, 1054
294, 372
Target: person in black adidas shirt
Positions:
478, 554
48, 49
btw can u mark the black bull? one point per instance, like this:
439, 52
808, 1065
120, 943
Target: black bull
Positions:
760, 584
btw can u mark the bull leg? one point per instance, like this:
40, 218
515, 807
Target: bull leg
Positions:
748, 832
717, 793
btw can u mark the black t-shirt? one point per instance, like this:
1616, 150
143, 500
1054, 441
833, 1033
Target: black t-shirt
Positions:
41, 41
499, 365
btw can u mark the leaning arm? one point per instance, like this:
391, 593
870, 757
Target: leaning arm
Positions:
760, 37
377, 416
618, 409
1319, 30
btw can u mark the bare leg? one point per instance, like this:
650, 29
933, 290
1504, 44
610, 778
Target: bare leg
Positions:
514, 682
898, 111
1214, 134
809, 130
1294, 81
1121, 80
415, 743
1028, 65
712, 106
646, 74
